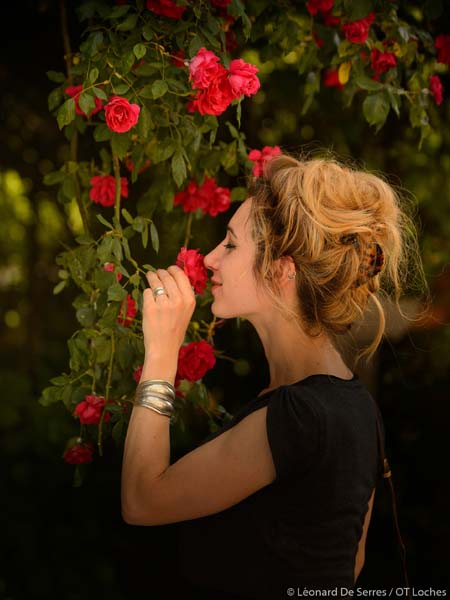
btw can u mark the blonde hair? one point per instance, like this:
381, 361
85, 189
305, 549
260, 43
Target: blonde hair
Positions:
327, 216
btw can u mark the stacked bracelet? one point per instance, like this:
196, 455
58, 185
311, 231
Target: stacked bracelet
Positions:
157, 395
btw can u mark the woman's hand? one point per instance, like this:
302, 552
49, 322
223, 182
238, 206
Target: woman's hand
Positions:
166, 317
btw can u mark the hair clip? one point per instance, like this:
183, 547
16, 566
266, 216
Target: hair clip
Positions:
372, 263
350, 238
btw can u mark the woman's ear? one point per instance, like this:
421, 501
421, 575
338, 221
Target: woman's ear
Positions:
285, 269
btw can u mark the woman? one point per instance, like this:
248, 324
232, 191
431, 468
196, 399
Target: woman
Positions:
279, 500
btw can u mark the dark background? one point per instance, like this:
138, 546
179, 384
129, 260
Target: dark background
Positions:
71, 543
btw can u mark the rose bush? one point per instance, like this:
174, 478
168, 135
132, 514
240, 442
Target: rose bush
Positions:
146, 90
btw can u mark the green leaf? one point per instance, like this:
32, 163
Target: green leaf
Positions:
139, 51
50, 395
145, 236
163, 150
366, 83
147, 32
126, 215
86, 316
100, 93
59, 287
118, 432
69, 187
117, 293
56, 76
54, 178
195, 45
55, 98
102, 133
117, 248
357, 10
139, 224
66, 114
145, 123
178, 168
376, 109
128, 24
102, 220
120, 142
102, 347
238, 194
86, 102
121, 88
154, 237
159, 88
93, 75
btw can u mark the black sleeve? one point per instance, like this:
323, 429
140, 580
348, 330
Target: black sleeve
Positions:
294, 432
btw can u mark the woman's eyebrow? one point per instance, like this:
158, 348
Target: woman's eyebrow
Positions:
230, 229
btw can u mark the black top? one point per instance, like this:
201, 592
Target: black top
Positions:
303, 529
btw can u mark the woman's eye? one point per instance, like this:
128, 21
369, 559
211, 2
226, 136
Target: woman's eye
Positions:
229, 246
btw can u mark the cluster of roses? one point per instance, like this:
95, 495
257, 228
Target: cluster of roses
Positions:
194, 360
208, 197
216, 87
357, 32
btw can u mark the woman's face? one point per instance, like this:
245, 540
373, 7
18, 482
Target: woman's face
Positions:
231, 263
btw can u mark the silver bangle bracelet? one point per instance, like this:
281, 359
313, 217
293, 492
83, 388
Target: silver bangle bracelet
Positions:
157, 385
163, 407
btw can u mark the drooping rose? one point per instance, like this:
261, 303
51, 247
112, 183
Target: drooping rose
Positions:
120, 115
260, 157
191, 261
380, 62
442, 45
204, 68
166, 8
80, 453
127, 312
436, 89
90, 410
357, 32
315, 6
319, 42
243, 79
215, 99
219, 201
331, 78
195, 359
103, 190
74, 92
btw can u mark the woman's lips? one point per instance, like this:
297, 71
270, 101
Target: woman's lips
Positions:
215, 286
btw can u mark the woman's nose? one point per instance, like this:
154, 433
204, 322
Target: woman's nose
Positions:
210, 261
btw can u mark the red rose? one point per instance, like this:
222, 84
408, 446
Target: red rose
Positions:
260, 157
192, 264
166, 8
209, 197
120, 115
90, 410
442, 45
137, 374
127, 312
317, 39
220, 3
79, 454
358, 31
243, 79
436, 88
315, 6
380, 62
204, 68
74, 91
194, 360
216, 98
331, 78
103, 190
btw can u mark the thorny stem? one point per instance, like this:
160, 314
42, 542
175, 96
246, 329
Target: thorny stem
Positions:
108, 388
74, 140
188, 230
116, 168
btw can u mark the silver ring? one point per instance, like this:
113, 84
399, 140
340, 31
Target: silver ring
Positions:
158, 291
